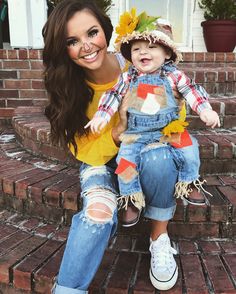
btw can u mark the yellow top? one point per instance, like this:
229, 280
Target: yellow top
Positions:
97, 149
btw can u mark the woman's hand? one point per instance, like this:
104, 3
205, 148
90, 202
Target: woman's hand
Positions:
122, 125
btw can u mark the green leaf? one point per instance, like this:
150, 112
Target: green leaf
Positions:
146, 22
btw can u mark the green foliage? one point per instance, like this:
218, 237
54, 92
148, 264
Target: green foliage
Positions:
146, 22
218, 9
104, 4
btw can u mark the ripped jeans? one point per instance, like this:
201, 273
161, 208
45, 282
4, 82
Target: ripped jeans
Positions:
92, 228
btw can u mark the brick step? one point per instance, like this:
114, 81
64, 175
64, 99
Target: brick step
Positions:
50, 190
31, 252
217, 147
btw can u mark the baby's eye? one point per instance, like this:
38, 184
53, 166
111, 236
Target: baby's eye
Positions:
152, 46
93, 33
71, 42
135, 49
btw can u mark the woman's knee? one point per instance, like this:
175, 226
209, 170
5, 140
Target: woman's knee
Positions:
100, 205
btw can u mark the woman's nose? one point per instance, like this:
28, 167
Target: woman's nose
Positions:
86, 46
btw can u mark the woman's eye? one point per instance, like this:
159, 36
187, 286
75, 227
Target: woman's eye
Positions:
71, 42
93, 33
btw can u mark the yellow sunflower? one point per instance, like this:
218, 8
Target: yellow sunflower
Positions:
127, 24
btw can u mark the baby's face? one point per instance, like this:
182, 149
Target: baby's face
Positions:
148, 57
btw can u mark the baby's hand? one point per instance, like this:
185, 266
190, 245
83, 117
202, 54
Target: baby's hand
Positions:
96, 124
210, 118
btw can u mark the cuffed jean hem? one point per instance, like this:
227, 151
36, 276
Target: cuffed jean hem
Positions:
65, 290
159, 214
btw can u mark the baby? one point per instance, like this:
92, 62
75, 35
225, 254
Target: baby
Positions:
154, 115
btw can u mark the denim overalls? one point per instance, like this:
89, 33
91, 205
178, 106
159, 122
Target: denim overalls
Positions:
152, 107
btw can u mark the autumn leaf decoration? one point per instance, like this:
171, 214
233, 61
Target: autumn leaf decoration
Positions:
129, 23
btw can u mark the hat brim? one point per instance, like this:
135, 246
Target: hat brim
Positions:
125, 44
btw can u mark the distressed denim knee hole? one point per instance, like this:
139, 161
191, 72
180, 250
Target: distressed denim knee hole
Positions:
101, 205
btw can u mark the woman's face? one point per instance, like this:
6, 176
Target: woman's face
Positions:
86, 41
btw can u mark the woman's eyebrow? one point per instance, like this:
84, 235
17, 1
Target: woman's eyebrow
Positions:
74, 37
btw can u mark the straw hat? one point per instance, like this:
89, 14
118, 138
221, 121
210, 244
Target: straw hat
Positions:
144, 27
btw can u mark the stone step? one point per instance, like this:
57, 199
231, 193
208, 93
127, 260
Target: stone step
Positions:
217, 147
50, 190
31, 252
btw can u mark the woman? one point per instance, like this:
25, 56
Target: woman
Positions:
78, 69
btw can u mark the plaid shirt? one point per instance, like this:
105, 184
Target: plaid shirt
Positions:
195, 95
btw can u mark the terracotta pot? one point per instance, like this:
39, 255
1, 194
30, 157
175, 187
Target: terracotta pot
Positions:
219, 35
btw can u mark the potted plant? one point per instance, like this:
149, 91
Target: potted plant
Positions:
219, 28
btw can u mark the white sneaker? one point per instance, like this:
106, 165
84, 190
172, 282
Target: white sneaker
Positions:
164, 270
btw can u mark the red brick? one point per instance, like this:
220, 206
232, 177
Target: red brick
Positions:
12, 54
9, 182
228, 180
220, 57
6, 230
37, 64
200, 77
218, 206
122, 274
193, 230
70, 197
187, 247
218, 275
230, 261
193, 274
33, 54
209, 56
38, 84
23, 54
142, 283
53, 193
61, 234
16, 64
199, 57
6, 112
209, 247
206, 147
225, 149
12, 241
122, 242
16, 254
18, 84
196, 214
3, 54
44, 277
229, 193
22, 185
32, 94
50, 213
212, 180
9, 93
23, 271
30, 74
8, 74
103, 271
228, 246
230, 121
188, 56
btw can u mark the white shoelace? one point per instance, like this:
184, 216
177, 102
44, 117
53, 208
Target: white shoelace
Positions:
162, 256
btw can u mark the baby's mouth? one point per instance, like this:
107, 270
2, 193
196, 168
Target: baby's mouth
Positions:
145, 60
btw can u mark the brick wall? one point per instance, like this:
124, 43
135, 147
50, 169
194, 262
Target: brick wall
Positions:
21, 82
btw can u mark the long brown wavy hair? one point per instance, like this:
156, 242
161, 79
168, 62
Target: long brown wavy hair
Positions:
69, 94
